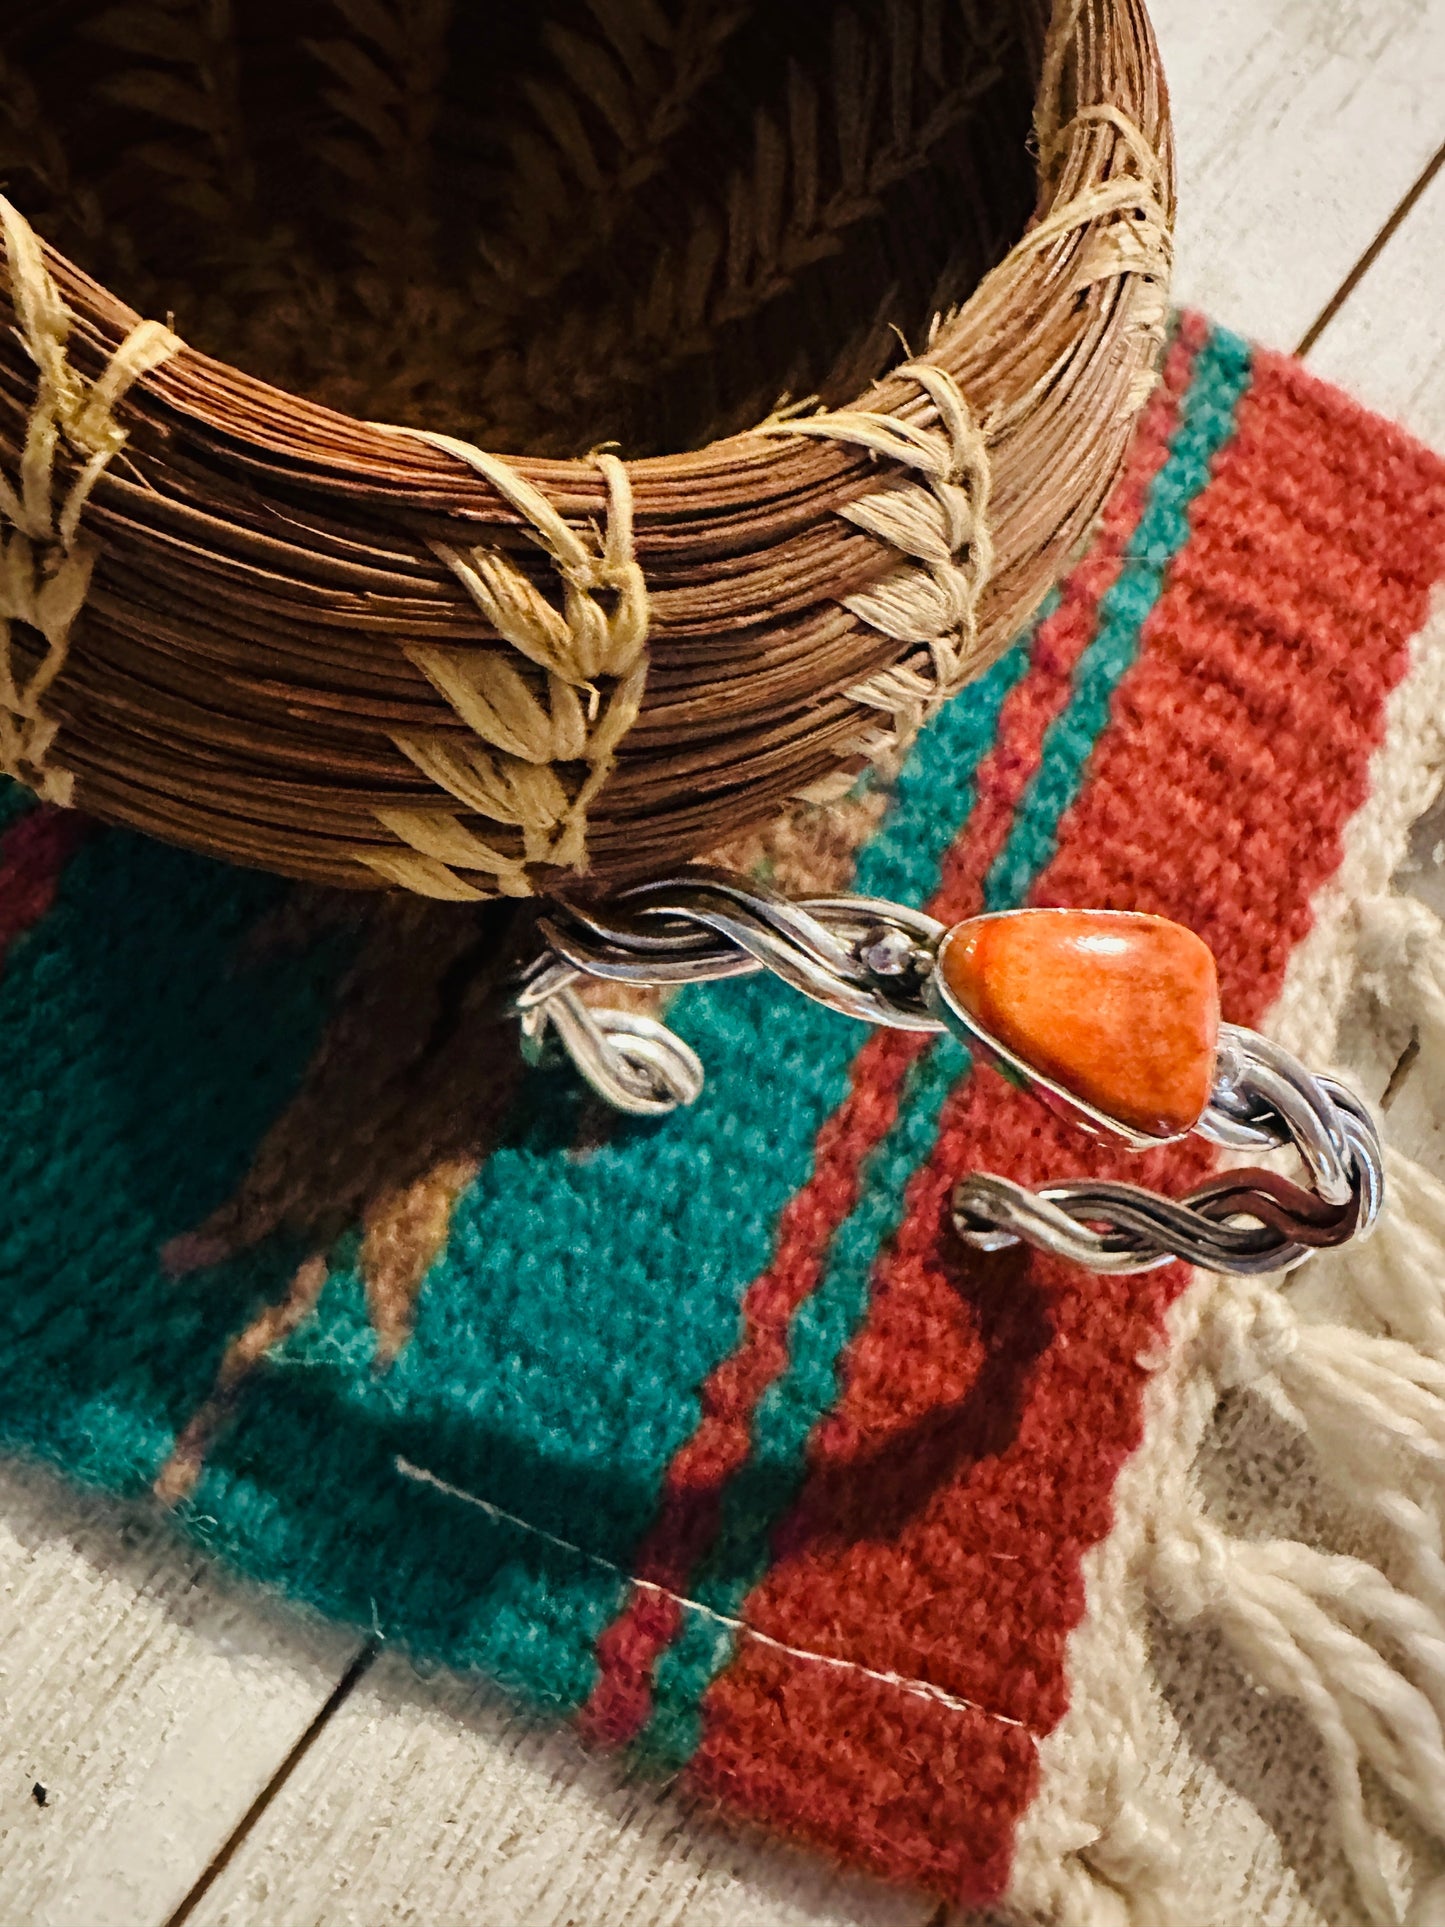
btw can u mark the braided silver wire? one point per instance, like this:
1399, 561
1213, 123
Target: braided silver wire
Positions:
1266, 1098
633, 1062
873, 960
859, 955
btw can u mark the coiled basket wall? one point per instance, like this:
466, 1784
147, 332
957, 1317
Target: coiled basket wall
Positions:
563, 434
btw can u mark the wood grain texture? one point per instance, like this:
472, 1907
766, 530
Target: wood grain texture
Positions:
1387, 344
430, 1802
1249, 1779
154, 1701
1300, 126
146, 1694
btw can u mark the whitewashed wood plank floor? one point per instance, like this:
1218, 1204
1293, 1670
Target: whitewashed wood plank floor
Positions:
1301, 126
149, 1697
208, 1756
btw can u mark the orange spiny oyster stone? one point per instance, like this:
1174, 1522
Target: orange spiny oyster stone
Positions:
1119, 1009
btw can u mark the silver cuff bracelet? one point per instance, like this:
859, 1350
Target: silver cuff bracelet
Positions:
1109, 1017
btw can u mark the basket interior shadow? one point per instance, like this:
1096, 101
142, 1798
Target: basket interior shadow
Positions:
541, 226
452, 538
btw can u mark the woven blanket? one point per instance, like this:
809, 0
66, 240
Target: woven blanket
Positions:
707, 1434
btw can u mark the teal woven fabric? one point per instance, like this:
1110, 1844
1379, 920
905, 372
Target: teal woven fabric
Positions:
731, 1355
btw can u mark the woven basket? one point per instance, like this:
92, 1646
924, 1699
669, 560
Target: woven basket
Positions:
294, 626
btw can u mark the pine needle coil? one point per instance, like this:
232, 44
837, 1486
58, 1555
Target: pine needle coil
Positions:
365, 653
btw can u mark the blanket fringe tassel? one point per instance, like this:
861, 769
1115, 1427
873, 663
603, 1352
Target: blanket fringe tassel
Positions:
1360, 1648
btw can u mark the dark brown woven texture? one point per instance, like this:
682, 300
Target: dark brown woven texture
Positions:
621, 221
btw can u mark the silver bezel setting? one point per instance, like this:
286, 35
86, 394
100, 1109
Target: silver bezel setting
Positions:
1018, 1070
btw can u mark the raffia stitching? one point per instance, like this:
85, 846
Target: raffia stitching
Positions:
45, 563
1139, 245
939, 524
1132, 241
520, 729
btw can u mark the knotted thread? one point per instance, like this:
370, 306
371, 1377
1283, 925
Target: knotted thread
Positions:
939, 524
45, 563
522, 727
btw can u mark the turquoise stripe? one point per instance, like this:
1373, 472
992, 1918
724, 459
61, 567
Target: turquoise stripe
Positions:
824, 1326
1222, 372
561, 1342
767, 1485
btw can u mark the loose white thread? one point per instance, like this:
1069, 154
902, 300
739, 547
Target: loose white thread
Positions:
919, 1688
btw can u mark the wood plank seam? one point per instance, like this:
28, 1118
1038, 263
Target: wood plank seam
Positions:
1371, 254
1398, 1078
341, 1693
356, 1672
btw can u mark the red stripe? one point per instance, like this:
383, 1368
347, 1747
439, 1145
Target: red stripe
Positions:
691, 1499
33, 854
988, 1404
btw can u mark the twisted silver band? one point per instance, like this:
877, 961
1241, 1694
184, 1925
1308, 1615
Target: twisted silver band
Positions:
859, 955
874, 960
1114, 1227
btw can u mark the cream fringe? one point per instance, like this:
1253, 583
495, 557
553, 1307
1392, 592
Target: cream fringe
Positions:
1352, 1355
45, 563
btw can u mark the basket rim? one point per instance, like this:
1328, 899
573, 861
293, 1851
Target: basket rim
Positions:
231, 403
293, 607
